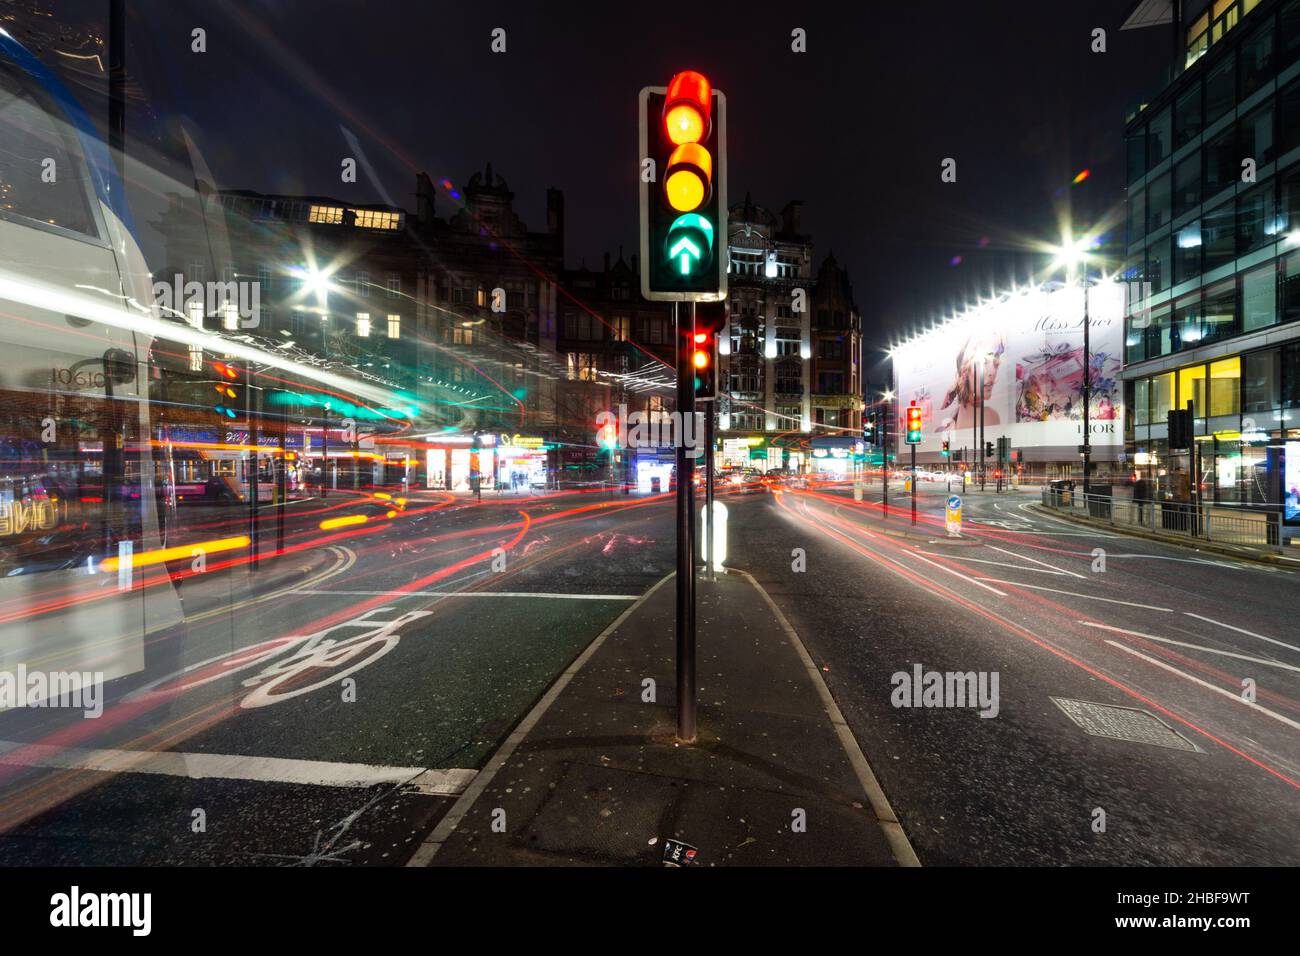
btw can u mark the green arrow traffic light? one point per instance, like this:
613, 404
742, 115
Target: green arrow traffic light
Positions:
689, 243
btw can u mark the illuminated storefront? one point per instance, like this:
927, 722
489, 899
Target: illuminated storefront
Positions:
835, 455
454, 459
521, 461
1246, 426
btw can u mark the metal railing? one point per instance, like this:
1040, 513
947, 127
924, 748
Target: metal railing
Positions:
1225, 524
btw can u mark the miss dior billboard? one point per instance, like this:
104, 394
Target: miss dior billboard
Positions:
1025, 356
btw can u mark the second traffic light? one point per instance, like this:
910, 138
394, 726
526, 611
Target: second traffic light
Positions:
683, 206
913, 424
704, 363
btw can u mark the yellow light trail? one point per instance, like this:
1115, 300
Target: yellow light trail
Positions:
330, 523
146, 558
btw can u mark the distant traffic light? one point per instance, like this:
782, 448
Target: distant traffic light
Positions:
945, 448
683, 145
913, 424
704, 363
227, 397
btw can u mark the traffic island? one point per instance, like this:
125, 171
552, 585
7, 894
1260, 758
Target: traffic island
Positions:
596, 776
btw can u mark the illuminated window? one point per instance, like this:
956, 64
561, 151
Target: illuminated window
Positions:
1162, 397
332, 215
194, 312
376, 219
463, 336
229, 316
394, 326
363, 325
582, 366
196, 358
1225, 377
480, 299
1191, 388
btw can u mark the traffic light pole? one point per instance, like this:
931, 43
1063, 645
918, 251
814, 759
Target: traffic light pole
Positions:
708, 489
685, 525
913, 484
1087, 394
884, 465
254, 489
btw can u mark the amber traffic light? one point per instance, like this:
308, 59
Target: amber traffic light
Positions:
683, 192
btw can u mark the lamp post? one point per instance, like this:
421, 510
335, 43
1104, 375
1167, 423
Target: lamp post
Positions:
1070, 255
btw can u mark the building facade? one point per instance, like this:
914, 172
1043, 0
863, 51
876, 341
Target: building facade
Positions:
459, 313
791, 352
1213, 229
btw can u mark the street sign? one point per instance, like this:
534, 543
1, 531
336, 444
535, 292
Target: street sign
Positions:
952, 516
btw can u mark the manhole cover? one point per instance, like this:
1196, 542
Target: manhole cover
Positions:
1123, 723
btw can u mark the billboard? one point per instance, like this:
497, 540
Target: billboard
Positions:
1025, 355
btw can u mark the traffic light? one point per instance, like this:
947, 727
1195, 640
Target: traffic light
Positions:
227, 397
683, 150
913, 424
704, 363
988, 449
945, 448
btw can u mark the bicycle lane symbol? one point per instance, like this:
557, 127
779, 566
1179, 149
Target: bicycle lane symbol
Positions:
292, 666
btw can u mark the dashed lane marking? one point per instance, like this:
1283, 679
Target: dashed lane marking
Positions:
1025, 557
1090, 597
996, 564
1242, 630
1195, 647
398, 593
1206, 684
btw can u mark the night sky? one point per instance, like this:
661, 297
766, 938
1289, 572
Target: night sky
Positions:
856, 127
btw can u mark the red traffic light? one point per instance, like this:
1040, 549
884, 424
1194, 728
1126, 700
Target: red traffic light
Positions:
700, 355
687, 108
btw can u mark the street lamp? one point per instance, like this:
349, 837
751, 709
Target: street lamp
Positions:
1071, 255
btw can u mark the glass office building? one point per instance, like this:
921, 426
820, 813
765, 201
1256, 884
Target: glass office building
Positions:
1213, 227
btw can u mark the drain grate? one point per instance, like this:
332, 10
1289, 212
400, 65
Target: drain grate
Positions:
1123, 723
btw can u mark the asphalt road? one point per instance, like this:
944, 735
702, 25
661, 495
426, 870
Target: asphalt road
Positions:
448, 620
1186, 773
331, 719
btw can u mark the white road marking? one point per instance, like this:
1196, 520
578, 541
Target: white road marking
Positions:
1195, 647
958, 573
1242, 630
482, 594
996, 564
1025, 557
1206, 684
200, 766
1090, 597
1058, 521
